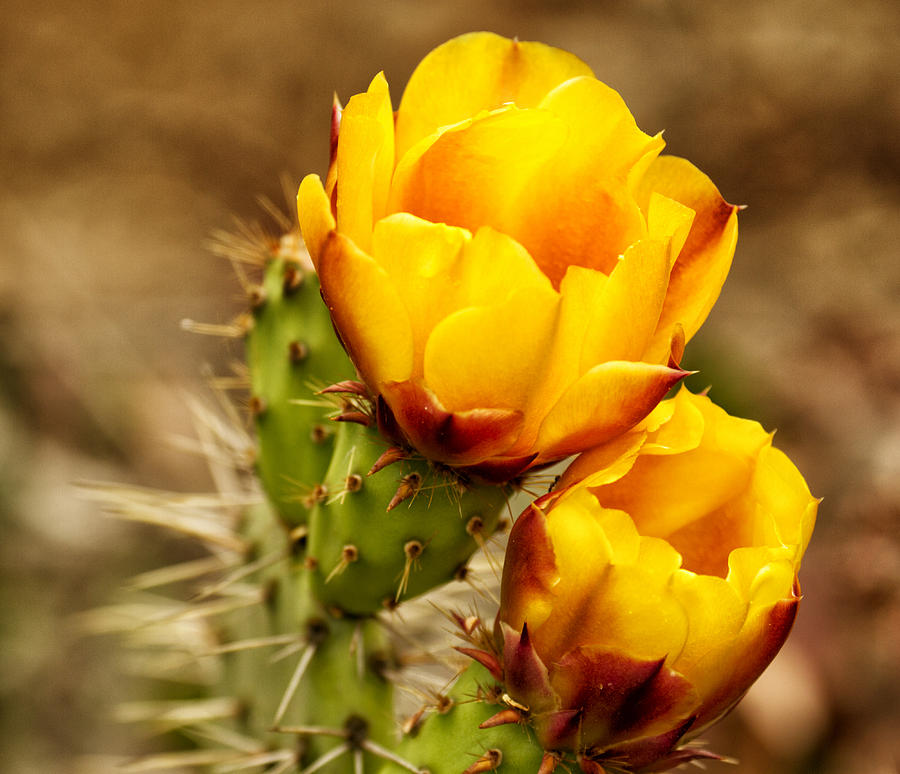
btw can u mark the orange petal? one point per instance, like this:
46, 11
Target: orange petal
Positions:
314, 213
475, 173
475, 72
365, 161
704, 261
367, 312
683, 497
605, 402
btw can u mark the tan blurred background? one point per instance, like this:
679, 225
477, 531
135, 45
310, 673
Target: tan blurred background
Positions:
129, 131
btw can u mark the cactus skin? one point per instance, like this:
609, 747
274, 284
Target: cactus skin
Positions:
341, 681
452, 742
291, 347
421, 543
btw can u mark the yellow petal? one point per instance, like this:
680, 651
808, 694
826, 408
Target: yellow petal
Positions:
491, 356
476, 173
420, 259
784, 497
716, 614
604, 600
314, 213
365, 161
475, 72
625, 317
704, 261
367, 312
693, 491
681, 428
603, 140
605, 402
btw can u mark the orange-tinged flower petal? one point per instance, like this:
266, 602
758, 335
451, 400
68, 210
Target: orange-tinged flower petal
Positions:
626, 314
479, 172
475, 72
739, 663
314, 213
365, 161
366, 309
507, 341
529, 572
705, 259
666, 495
605, 402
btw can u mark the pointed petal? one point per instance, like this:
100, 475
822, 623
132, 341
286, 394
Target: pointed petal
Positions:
759, 642
525, 676
704, 261
605, 402
457, 438
529, 572
365, 161
499, 470
371, 319
625, 317
487, 660
475, 72
314, 213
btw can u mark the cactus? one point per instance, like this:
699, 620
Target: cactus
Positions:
290, 347
379, 487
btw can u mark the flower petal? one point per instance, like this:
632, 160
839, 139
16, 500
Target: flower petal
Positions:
491, 356
420, 259
478, 172
457, 438
529, 572
626, 315
369, 315
685, 497
623, 697
314, 214
365, 161
475, 72
605, 402
704, 261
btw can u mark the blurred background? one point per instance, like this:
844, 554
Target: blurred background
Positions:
131, 131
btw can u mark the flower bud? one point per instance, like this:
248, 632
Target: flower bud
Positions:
643, 597
511, 265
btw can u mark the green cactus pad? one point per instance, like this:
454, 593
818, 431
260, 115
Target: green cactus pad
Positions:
291, 351
451, 742
366, 557
342, 684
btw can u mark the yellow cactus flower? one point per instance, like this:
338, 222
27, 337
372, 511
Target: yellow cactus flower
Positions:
508, 260
643, 596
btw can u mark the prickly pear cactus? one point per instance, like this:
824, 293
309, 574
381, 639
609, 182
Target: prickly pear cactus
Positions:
297, 617
291, 348
303, 629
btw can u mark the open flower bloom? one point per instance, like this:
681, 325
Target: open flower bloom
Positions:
643, 597
511, 265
